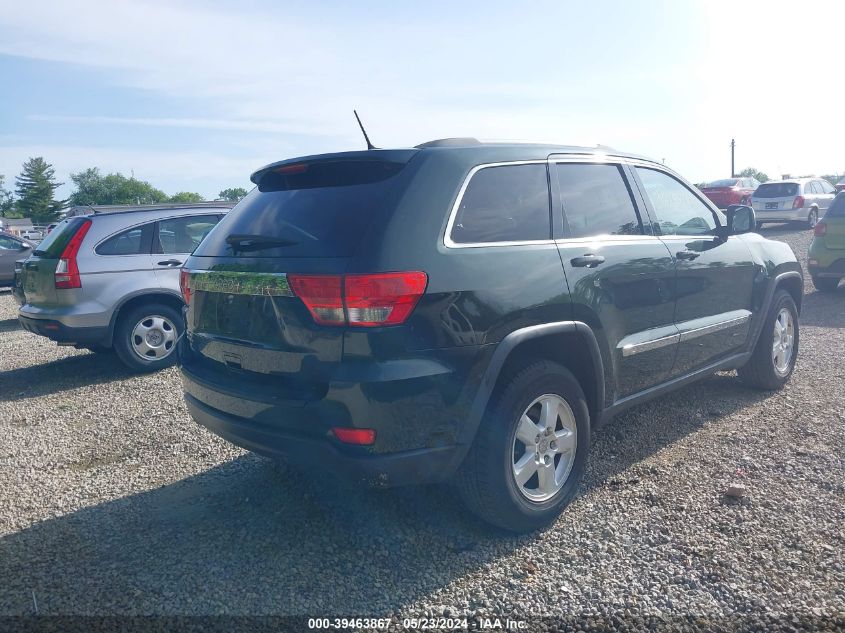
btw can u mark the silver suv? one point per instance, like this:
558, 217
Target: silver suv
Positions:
111, 280
798, 200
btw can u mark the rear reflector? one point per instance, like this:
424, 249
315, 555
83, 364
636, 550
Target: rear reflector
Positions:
67, 270
361, 437
360, 300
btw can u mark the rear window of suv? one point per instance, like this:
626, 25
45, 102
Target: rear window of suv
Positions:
54, 243
309, 210
776, 190
837, 207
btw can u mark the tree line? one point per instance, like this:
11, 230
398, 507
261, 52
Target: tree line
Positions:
34, 195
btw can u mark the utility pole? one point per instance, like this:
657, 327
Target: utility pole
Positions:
733, 168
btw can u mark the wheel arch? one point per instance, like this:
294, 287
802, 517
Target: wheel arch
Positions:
572, 344
131, 301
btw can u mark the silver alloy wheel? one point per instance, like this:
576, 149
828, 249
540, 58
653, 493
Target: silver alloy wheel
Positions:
784, 342
153, 337
813, 219
544, 444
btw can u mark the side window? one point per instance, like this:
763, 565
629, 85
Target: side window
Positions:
813, 187
678, 211
183, 235
596, 201
508, 203
134, 241
826, 186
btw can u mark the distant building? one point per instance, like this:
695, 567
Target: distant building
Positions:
16, 226
112, 208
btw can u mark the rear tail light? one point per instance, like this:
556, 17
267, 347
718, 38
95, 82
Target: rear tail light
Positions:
67, 270
798, 203
321, 295
360, 300
185, 285
821, 229
361, 437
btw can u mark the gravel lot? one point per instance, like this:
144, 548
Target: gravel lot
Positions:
112, 501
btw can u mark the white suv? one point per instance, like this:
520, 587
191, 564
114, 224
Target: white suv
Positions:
797, 200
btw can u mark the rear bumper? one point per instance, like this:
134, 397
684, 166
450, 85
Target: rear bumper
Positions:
835, 269
424, 465
419, 408
61, 333
782, 215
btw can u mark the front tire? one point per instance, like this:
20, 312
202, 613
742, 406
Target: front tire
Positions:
530, 452
773, 360
145, 337
826, 284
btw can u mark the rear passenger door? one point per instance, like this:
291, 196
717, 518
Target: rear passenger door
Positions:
620, 276
715, 276
121, 265
828, 193
173, 240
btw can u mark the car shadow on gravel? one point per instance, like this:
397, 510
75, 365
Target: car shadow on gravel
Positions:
824, 309
252, 537
9, 325
71, 372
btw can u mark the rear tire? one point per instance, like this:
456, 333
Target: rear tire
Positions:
764, 370
826, 284
759, 226
812, 219
487, 480
145, 337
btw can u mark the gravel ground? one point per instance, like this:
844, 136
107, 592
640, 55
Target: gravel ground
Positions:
112, 501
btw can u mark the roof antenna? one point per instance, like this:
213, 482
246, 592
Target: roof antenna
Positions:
364, 132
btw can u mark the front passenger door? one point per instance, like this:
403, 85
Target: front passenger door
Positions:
714, 276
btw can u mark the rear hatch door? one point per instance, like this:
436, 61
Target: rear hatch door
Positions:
244, 322
775, 196
834, 237
37, 278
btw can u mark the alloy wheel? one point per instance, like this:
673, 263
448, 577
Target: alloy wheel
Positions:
544, 445
784, 341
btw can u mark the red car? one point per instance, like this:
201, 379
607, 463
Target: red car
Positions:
840, 186
730, 191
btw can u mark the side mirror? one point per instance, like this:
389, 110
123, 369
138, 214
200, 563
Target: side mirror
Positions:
741, 219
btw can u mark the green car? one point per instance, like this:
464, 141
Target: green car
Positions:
827, 252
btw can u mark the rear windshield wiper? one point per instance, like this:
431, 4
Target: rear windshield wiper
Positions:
247, 243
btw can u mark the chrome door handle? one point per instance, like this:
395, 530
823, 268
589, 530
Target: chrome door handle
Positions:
687, 255
170, 262
587, 261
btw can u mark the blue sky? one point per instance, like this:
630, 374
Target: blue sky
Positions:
195, 95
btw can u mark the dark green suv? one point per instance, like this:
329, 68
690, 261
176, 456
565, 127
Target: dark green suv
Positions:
471, 312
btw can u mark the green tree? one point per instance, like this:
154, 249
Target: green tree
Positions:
232, 194
6, 201
94, 188
751, 172
35, 188
186, 196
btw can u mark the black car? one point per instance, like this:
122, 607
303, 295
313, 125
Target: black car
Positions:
471, 312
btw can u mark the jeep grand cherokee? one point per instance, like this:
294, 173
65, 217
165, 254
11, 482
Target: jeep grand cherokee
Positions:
471, 312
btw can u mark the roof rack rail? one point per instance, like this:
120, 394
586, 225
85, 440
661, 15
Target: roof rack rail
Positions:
450, 142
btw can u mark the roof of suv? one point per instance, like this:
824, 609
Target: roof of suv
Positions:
487, 151
157, 212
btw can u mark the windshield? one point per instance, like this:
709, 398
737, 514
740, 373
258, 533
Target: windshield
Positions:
316, 210
728, 182
776, 190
